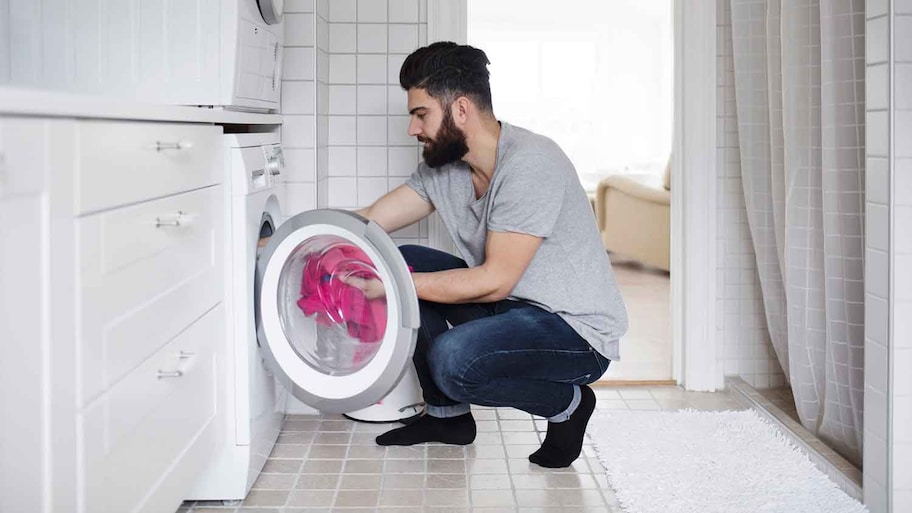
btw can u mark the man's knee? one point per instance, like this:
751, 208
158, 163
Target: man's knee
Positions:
449, 357
425, 259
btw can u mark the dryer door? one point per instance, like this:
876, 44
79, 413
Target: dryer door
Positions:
337, 308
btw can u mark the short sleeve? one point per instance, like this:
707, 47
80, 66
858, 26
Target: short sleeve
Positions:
416, 183
529, 196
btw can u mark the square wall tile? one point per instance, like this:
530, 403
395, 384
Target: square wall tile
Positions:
370, 189
342, 161
397, 100
902, 181
323, 193
877, 87
342, 99
878, 180
902, 457
322, 36
342, 38
403, 11
300, 165
902, 124
372, 161
342, 11
371, 38
299, 29
876, 8
403, 38
298, 64
298, 97
372, 11
398, 131
342, 130
342, 192
902, 86
877, 40
299, 5
299, 197
371, 99
323, 66
876, 320
902, 38
297, 131
372, 130
393, 66
877, 222
322, 134
372, 69
403, 161
342, 69
877, 133
902, 327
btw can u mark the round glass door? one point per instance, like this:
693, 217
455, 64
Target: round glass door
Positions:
338, 310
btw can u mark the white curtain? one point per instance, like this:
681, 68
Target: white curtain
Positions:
799, 89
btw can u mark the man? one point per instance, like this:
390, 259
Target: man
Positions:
535, 311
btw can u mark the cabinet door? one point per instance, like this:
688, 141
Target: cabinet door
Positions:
23, 321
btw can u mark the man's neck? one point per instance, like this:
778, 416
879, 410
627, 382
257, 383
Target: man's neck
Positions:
482, 155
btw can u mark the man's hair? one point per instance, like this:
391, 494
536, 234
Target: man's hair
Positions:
447, 71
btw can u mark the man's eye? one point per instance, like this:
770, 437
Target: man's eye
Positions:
421, 117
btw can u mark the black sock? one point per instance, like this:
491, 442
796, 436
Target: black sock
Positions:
452, 430
564, 440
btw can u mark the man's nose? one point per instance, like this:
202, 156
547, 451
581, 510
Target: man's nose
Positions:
414, 129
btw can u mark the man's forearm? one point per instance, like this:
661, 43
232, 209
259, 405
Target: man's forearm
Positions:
454, 286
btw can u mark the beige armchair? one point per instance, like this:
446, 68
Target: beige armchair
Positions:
634, 217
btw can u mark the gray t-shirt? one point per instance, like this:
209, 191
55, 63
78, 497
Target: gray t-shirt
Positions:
535, 191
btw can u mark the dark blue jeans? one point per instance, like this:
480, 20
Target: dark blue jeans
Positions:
508, 353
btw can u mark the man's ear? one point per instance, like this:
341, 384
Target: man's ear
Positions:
461, 107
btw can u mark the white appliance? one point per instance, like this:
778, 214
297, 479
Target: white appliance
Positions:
252, 405
275, 347
214, 53
252, 37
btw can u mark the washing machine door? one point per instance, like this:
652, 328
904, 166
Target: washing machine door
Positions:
337, 309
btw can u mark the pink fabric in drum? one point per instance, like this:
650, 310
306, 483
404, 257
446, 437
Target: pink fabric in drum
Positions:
326, 296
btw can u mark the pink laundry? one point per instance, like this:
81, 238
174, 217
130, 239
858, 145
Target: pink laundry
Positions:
333, 302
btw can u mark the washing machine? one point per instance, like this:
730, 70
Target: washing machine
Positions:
331, 347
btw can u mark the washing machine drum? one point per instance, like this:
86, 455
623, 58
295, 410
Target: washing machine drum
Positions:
337, 309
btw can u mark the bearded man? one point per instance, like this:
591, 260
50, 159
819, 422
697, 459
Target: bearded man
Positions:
531, 313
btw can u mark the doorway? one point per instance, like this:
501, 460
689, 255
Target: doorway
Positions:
598, 79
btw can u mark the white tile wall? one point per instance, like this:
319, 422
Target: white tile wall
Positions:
299, 125
747, 350
367, 150
901, 238
877, 236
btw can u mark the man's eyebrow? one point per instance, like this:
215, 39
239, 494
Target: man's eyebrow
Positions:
416, 109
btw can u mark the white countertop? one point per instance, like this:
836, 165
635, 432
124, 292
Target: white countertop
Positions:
33, 102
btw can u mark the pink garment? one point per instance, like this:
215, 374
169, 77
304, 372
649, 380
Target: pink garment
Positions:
325, 295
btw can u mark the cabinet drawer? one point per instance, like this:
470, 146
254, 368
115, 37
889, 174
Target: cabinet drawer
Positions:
120, 163
148, 425
146, 272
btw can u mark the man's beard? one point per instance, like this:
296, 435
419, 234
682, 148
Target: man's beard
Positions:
449, 145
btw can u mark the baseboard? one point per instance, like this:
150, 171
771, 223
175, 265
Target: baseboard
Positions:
631, 383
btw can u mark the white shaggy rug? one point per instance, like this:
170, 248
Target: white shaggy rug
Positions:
706, 462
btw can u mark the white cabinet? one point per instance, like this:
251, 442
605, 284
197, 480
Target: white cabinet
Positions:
111, 316
161, 50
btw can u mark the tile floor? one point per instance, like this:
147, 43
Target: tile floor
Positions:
328, 463
646, 348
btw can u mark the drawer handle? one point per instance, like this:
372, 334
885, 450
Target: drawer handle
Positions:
185, 354
170, 374
180, 145
179, 219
